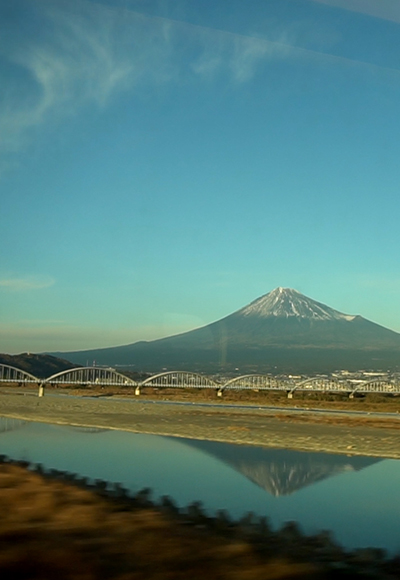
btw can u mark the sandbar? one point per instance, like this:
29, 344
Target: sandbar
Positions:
263, 426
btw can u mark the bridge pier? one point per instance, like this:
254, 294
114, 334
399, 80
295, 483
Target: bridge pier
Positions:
219, 393
290, 395
41, 390
137, 391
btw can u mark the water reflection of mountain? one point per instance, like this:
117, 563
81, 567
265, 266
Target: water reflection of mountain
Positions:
281, 472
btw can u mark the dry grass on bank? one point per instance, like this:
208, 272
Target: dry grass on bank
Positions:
52, 530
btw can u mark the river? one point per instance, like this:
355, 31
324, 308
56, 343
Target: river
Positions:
354, 497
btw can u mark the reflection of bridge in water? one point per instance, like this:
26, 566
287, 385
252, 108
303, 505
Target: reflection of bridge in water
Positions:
10, 424
109, 377
88, 430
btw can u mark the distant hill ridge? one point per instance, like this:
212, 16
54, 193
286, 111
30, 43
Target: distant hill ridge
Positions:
279, 332
39, 365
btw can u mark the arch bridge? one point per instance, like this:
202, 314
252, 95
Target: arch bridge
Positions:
322, 385
9, 374
85, 376
384, 386
100, 376
179, 380
257, 383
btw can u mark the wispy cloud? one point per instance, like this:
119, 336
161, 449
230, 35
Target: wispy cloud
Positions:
29, 283
385, 9
81, 53
70, 62
237, 54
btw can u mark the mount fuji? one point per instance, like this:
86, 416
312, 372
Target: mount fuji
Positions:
282, 331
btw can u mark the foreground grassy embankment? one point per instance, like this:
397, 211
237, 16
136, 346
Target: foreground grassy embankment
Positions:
51, 528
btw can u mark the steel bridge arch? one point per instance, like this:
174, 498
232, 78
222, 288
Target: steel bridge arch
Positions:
323, 384
184, 379
377, 386
91, 376
10, 374
256, 382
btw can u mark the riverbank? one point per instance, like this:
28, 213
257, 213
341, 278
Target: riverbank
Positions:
53, 529
56, 524
302, 430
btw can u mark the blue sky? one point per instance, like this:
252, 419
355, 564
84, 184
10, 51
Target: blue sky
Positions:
164, 163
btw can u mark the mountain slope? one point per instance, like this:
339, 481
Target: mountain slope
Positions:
282, 330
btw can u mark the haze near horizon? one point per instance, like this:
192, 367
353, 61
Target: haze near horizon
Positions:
162, 164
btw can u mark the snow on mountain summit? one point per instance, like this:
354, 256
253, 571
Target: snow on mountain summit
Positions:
285, 302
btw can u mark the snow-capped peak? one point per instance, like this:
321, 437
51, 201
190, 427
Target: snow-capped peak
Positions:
285, 302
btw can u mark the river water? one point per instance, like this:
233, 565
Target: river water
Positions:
354, 497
